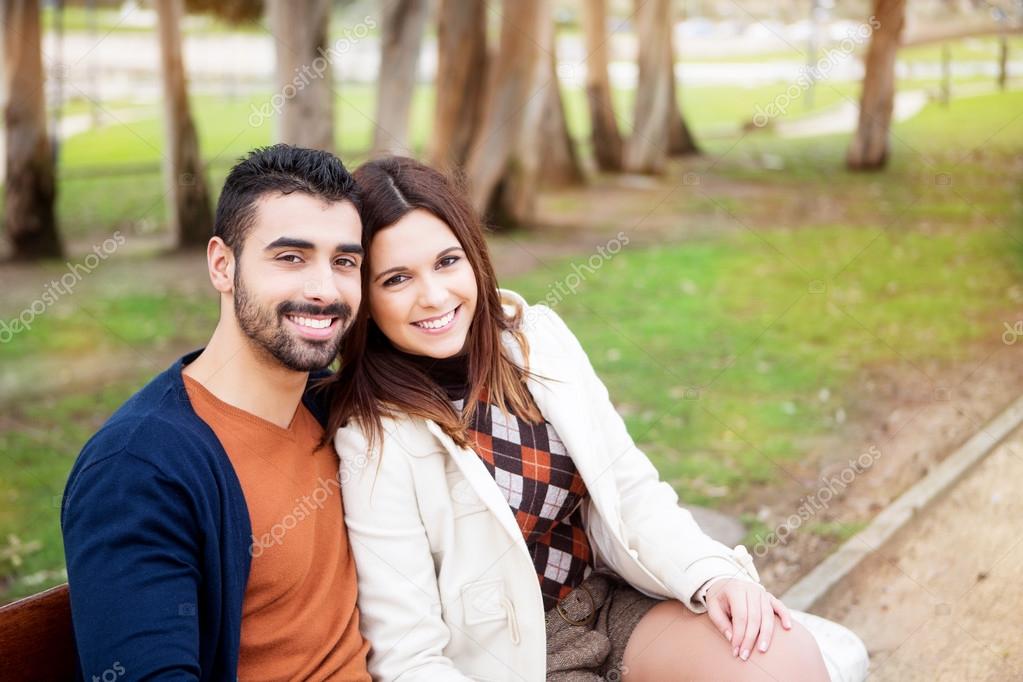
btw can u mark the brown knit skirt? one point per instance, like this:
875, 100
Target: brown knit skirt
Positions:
588, 630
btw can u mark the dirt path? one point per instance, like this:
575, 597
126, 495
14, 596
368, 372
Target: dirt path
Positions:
942, 600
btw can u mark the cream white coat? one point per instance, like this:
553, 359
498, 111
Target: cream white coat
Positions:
447, 589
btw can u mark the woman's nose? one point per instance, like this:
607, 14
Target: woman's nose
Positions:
431, 293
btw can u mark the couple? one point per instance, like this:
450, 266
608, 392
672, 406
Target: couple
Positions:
460, 501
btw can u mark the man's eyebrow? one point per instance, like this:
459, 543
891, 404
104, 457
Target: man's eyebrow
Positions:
292, 243
289, 243
402, 267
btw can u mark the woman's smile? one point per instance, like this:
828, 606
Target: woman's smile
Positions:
440, 323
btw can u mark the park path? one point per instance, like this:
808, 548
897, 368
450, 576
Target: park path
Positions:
843, 117
941, 600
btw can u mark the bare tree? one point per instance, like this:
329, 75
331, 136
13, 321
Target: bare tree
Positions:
29, 190
507, 149
869, 147
304, 74
680, 139
191, 218
560, 167
461, 80
401, 37
647, 148
607, 140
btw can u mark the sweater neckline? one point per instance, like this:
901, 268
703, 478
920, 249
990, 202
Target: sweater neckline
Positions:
451, 374
245, 416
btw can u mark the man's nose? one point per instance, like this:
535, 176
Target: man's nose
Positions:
320, 288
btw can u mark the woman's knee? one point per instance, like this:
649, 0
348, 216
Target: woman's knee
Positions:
793, 654
671, 642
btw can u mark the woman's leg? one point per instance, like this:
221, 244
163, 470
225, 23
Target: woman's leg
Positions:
673, 643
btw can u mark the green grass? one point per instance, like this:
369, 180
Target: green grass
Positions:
719, 351
112, 323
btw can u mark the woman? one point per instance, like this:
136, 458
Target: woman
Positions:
504, 525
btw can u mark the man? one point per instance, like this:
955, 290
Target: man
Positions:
202, 524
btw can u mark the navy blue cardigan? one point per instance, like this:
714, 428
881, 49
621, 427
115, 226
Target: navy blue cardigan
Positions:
157, 539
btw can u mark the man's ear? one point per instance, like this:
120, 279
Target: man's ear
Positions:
221, 263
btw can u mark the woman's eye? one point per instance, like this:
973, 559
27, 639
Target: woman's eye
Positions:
397, 279
448, 260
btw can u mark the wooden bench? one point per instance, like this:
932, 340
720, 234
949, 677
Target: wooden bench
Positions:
36, 639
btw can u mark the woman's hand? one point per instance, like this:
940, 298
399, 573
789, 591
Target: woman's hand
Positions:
744, 613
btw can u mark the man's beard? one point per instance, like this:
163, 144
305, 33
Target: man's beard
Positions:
265, 328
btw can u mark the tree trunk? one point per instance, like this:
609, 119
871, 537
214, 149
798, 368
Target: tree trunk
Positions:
191, 219
401, 36
560, 167
680, 140
461, 80
1003, 61
869, 148
304, 76
508, 146
647, 148
29, 190
607, 140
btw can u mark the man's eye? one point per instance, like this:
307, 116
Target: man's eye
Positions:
290, 258
346, 262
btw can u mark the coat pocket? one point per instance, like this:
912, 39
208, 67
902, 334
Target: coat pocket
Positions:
483, 601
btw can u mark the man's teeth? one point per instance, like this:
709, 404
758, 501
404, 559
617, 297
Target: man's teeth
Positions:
309, 322
438, 323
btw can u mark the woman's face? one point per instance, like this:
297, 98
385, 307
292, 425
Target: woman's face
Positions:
422, 289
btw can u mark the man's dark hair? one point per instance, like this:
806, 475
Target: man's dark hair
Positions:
280, 168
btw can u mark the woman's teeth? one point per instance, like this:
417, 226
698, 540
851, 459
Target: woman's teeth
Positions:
438, 323
310, 322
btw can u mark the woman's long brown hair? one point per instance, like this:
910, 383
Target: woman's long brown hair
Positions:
374, 381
